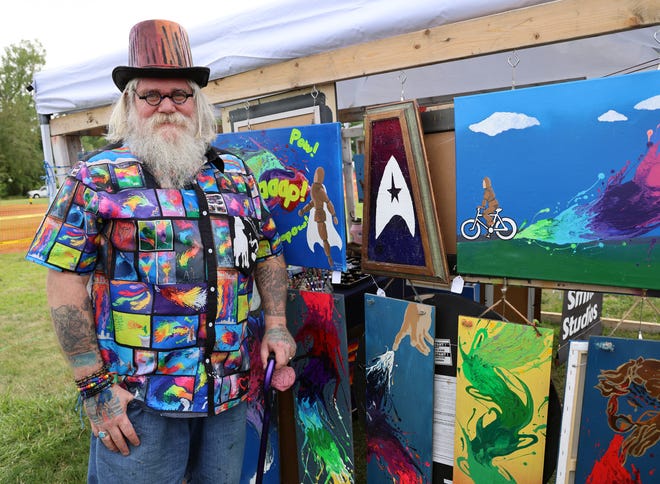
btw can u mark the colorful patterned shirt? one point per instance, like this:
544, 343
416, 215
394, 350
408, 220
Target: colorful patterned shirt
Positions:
171, 273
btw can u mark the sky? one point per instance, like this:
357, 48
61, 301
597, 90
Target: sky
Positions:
73, 31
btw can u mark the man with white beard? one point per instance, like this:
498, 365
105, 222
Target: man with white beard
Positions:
153, 246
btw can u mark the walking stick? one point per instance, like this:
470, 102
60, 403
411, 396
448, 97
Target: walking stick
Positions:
268, 402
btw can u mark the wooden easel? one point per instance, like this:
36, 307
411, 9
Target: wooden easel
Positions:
641, 301
506, 303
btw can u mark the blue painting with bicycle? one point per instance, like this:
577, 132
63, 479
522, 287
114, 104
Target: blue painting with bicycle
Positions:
561, 182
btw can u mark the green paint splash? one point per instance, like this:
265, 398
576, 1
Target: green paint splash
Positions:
489, 368
320, 446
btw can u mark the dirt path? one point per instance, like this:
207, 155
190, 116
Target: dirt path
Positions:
19, 220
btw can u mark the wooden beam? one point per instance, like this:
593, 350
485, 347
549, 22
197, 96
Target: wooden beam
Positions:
82, 122
543, 284
551, 22
547, 23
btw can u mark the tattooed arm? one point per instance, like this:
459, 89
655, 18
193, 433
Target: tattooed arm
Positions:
73, 321
272, 282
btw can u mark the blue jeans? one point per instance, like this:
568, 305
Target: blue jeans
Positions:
201, 449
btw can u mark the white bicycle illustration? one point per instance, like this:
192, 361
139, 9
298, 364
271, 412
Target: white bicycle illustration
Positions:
504, 227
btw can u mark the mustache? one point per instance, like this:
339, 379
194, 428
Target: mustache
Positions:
176, 119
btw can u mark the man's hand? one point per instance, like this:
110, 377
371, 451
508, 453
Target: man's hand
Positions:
107, 414
278, 340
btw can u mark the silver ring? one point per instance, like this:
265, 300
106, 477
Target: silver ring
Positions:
102, 435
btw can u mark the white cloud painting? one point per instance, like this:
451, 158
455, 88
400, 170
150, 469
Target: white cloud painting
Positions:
500, 122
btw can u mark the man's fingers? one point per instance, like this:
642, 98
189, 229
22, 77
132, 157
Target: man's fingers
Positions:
128, 431
106, 438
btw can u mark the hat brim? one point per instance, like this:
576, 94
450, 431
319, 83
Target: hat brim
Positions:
121, 75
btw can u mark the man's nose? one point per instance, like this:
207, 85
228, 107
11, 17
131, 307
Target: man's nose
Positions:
166, 105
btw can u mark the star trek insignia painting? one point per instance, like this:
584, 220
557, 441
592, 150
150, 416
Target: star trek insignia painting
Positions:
401, 229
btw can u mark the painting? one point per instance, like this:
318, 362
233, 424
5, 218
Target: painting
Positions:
502, 395
620, 426
255, 415
399, 355
321, 393
399, 209
299, 173
570, 420
561, 182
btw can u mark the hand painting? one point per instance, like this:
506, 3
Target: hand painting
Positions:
416, 325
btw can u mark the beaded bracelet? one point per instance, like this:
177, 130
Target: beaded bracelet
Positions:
100, 372
94, 384
85, 394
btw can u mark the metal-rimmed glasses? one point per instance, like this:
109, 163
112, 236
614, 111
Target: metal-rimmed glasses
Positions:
154, 98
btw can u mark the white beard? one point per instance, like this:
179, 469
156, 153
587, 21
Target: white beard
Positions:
171, 152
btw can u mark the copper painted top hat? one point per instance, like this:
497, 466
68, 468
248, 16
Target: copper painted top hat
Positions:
159, 48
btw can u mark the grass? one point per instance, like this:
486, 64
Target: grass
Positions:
15, 200
40, 435
614, 306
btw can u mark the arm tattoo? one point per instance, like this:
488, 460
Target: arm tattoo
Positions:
74, 327
280, 334
272, 281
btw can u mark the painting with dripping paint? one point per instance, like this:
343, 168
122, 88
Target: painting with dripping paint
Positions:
620, 423
502, 388
321, 393
299, 174
255, 415
561, 182
399, 209
399, 352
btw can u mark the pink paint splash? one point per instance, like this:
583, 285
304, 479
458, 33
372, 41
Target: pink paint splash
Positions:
320, 338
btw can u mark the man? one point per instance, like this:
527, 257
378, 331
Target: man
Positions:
153, 247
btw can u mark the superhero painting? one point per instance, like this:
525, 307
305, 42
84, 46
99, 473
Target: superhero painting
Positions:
299, 174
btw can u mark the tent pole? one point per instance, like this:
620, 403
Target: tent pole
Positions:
49, 163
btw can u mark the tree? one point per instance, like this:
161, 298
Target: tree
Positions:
21, 152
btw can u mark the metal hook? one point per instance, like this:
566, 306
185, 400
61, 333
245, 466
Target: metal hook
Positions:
655, 36
247, 115
402, 79
513, 60
314, 94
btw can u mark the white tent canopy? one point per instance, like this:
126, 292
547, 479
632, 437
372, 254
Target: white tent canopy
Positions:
249, 40
230, 45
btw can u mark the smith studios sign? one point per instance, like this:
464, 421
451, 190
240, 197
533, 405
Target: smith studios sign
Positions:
580, 318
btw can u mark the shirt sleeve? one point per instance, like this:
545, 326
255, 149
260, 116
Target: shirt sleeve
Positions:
67, 239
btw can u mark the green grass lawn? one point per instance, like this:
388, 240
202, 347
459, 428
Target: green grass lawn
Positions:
41, 440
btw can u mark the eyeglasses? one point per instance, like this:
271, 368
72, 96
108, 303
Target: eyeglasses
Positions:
154, 98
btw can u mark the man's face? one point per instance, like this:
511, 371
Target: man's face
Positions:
164, 136
166, 87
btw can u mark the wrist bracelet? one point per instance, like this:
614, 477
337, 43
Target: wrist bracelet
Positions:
95, 383
100, 372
